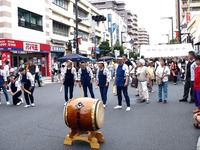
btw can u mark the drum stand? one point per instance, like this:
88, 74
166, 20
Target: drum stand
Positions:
93, 138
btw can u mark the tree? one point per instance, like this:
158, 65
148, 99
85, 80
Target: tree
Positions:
117, 46
104, 48
173, 41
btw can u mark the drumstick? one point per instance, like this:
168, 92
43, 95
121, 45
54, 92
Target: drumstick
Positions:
61, 88
25, 90
14, 93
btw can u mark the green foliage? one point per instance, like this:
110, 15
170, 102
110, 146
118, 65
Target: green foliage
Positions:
117, 46
173, 41
133, 55
104, 48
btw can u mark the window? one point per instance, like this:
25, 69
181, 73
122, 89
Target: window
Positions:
84, 35
60, 29
61, 3
81, 13
29, 20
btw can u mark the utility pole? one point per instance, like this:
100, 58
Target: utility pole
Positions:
76, 7
179, 22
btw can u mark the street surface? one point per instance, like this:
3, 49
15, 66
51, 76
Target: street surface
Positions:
151, 126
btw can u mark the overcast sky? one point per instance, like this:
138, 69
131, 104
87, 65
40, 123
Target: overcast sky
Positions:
149, 13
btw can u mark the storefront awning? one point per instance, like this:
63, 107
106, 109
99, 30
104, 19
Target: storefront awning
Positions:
26, 46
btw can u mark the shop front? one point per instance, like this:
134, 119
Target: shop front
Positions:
57, 52
15, 50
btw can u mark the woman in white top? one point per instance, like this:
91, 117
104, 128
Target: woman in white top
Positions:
163, 73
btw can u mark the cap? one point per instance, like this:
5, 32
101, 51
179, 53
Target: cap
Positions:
142, 61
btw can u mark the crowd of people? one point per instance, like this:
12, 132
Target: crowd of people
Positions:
142, 74
18, 81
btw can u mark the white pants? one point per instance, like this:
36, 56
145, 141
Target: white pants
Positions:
143, 90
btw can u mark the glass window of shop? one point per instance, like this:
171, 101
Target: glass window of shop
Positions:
29, 20
61, 3
84, 35
81, 13
60, 29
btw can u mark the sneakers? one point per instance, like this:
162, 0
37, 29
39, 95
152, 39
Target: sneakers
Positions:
26, 106
128, 108
118, 107
147, 101
65, 103
165, 102
0, 103
32, 105
19, 103
22, 101
104, 106
8, 103
160, 101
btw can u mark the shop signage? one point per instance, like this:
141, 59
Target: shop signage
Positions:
16, 45
31, 47
57, 49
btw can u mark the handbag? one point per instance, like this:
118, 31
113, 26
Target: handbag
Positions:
134, 82
159, 80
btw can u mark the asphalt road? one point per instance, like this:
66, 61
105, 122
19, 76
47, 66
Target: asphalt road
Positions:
146, 127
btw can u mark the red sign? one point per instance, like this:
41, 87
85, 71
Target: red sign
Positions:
31, 47
188, 17
16, 45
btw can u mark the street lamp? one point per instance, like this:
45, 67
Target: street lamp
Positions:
172, 25
179, 22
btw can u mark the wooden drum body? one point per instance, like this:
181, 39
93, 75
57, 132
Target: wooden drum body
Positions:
84, 114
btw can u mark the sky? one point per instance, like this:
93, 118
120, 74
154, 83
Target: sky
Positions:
150, 13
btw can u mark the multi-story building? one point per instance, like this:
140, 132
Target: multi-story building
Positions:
24, 33
143, 36
129, 18
42, 30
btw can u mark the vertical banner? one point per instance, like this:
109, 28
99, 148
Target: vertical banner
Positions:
187, 17
110, 23
5, 56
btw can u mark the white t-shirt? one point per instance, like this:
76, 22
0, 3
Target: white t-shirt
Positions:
159, 72
6, 70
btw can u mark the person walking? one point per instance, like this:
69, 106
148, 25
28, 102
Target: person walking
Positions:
121, 81
174, 70
85, 78
162, 73
103, 78
197, 84
151, 72
27, 85
188, 87
69, 77
143, 78
111, 67
3, 85
37, 70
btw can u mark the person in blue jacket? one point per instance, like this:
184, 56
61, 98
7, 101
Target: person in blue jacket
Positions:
103, 78
85, 78
121, 81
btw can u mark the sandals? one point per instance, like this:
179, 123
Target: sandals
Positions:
196, 125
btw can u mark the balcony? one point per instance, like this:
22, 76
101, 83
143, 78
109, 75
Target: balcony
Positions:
130, 25
130, 31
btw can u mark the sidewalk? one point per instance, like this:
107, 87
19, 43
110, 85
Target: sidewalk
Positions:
46, 80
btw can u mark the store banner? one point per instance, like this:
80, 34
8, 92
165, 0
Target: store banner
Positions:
16, 45
57, 49
31, 47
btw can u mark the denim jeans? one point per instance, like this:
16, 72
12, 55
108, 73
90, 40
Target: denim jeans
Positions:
163, 87
5, 92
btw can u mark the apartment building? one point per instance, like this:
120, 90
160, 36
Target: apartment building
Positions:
130, 19
24, 33
143, 36
41, 30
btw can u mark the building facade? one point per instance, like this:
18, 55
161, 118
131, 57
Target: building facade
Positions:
23, 33
129, 18
42, 33
143, 36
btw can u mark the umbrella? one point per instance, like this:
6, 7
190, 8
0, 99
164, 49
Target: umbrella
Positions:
107, 58
73, 57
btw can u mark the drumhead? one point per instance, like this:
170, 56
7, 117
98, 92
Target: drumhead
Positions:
99, 115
